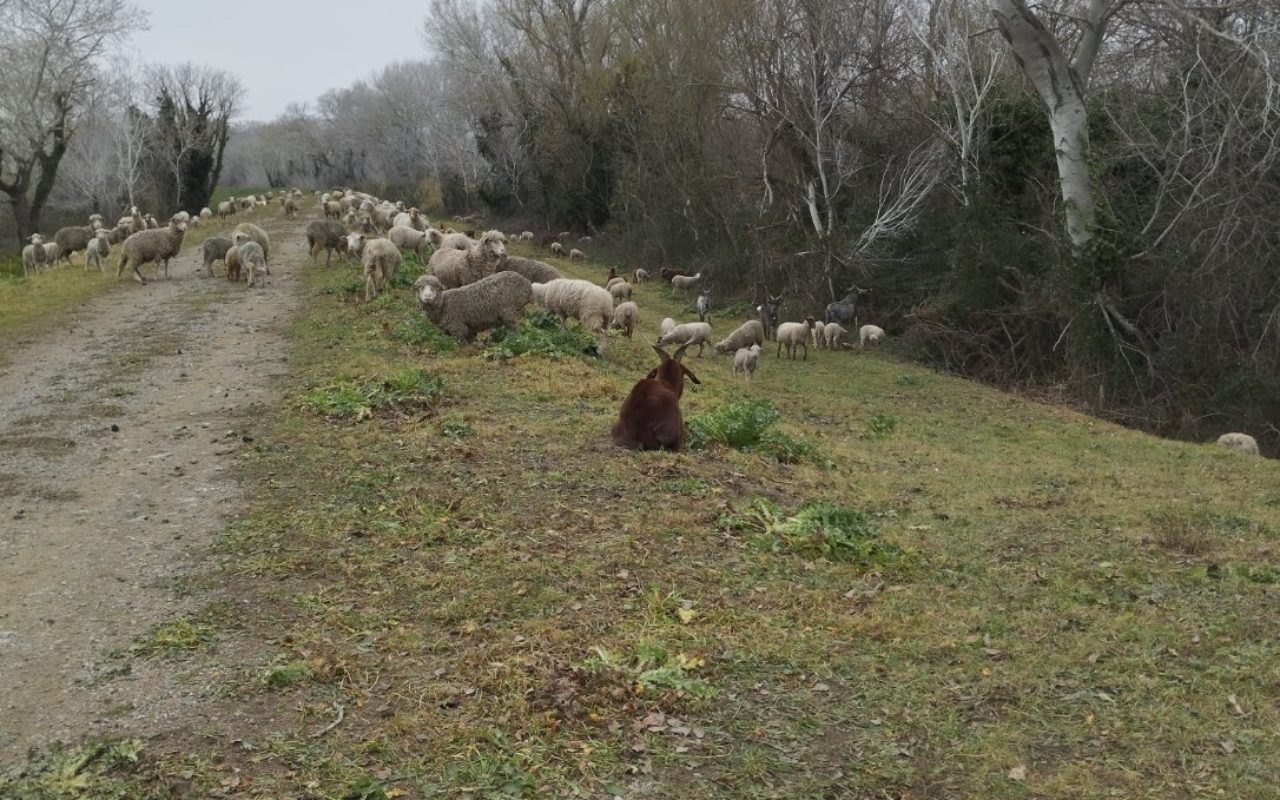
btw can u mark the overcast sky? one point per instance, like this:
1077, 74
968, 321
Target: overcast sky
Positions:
284, 51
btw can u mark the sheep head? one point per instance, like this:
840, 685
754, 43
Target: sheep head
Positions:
355, 243
36, 238
429, 292
671, 371
493, 244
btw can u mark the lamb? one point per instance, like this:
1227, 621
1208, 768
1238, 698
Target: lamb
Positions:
832, 333
748, 333
870, 333
745, 360
641, 275
620, 291
455, 241
144, 247
650, 416
33, 255
290, 207
845, 310
688, 334
526, 236
326, 235
576, 255
380, 259
98, 250
233, 263
625, 317
591, 305
1239, 442
206, 213
252, 259
71, 240
225, 209
685, 282
496, 300
535, 271
457, 268
792, 335
815, 332
557, 249
613, 279
332, 209
215, 249
704, 305
666, 326
258, 235
407, 238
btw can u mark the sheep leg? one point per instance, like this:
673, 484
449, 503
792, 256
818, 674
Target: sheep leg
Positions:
779, 353
806, 350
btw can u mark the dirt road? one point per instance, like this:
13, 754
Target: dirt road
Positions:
119, 432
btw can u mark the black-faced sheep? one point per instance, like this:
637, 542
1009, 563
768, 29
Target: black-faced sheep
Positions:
144, 247
496, 300
457, 268
650, 416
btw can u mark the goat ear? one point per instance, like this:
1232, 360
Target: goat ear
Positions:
689, 373
680, 353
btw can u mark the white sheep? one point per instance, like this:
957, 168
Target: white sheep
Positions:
792, 335
621, 291
206, 213
745, 360
147, 246
455, 241
685, 282
748, 333
666, 326
98, 250
1239, 442
457, 268
557, 249
688, 334
591, 305
870, 333
815, 333
832, 333
526, 236
493, 301
252, 260
407, 238
34, 255
625, 317
641, 275
576, 255
380, 259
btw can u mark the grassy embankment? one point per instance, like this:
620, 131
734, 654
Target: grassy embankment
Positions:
449, 583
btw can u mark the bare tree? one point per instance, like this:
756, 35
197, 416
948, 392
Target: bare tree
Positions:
193, 107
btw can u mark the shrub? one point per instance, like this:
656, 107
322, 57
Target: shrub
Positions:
747, 425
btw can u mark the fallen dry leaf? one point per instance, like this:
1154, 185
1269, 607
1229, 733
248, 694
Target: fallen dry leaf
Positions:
1018, 773
686, 615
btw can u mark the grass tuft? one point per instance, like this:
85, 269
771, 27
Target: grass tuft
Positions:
404, 392
540, 334
818, 530
181, 635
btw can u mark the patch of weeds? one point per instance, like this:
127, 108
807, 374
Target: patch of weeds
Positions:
405, 391
818, 530
1258, 573
408, 272
651, 668
288, 674
881, 425
181, 635
692, 487
457, 429
907, 379
75, 772
119, 391
736, 309
1273, 500
365, 788
540, 334
747, 425
490, 774
419, 332
1198, 532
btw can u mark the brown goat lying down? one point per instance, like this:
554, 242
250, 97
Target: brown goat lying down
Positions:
650, 416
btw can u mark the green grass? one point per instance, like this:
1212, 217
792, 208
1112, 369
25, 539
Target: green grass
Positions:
505, 605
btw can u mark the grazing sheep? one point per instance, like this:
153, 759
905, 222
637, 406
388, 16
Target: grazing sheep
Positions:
252, 259
745, 360
583, 300
225, 209
290, 207
845, 310
613, 280
526, 236
666, 326
206, 213
650, 416
576, 255
620, 291
535, 271
455, 241
641, 275
625, 317
215, 249
326, 235
687, 335
685, 282
98, 250
232, 260
145, 247
565, 235
557, 249
1239, 442
380, 259
815, 332
258, 235
407, 238
745, 335
832, 333
332, 209
792, 335
704, 305
870, 333
410, 219
72, 240
34, 255
457, 268
496, 300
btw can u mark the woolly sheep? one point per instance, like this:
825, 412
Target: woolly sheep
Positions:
407, 238
576, 255
98, 250
258, 235
410, 219
457, 268
326, 235
215, 249
71, 240
252, 259
557, 249
152, 222
33, 255
832, 333
145, 247
685, 282
792, 335
380, 259
870, 333
225, 209
290, 207
687, 335
815, 332
456, 241
625, 317
535, 271
591, 305
526, 236
748, 333
641, 275
232, 261
745, 360
614, 280
183, 215
206, 213
495, 300
51, 253
1239, 442
620, 291
666, 326
333, 209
